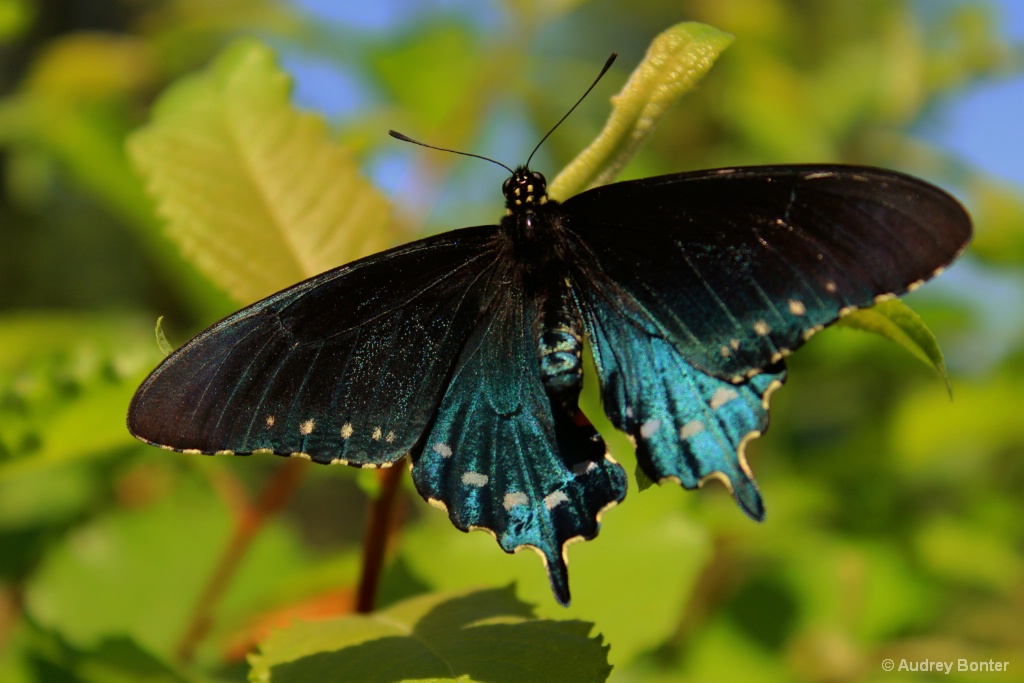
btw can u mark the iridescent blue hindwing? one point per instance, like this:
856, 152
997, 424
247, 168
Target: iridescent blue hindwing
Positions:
687, 425
500, 457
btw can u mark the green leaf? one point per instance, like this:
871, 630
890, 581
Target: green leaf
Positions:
254, 191
45, 656
161, 338
140, 572
632, 580
895, 321
65, 381
122, 660
674, 62
469, 636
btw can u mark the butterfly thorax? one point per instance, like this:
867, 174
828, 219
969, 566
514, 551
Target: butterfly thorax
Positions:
532, 226
531, 222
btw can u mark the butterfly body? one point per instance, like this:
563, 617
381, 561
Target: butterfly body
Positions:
463, 350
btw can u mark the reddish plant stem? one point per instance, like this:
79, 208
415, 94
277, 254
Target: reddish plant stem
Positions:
248, 521
375, 541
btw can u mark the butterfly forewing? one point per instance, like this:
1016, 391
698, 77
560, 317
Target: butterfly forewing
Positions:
347, 366
740, 266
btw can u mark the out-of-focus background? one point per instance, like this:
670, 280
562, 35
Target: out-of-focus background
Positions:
894, 513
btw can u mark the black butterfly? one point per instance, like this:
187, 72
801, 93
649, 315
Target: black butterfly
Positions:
463, 349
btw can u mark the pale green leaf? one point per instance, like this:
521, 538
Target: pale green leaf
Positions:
468, 636
674, 62
161, 338
897, 322
254, 191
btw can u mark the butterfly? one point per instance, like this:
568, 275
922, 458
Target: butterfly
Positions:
463, 350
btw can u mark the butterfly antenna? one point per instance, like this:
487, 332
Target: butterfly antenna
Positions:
405, 138
604, 70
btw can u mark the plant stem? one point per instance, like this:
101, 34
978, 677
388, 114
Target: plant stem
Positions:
248, 521
375, 541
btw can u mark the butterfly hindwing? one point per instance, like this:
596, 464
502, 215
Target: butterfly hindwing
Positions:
687, 425
347, 366
500, 457
740, 266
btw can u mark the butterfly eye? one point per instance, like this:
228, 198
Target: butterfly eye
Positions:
505, 185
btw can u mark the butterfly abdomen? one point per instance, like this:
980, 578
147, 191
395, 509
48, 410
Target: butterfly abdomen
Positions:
560, 348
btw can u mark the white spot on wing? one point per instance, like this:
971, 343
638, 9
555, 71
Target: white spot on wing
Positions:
443, 449
811, 331
689, 429
307, 427
346, 430
554, 499
830, 286
797, 307
475, 479
582, 468
647, 429
270, 420
761, 328
390, 438
513, 499
722, 396
377, 433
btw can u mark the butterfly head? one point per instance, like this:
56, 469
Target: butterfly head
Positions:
523, 189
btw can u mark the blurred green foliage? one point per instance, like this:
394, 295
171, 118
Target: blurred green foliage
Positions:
894, 514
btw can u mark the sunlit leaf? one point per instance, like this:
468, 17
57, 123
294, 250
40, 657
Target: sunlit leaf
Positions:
253, 190
469, 636
897, 322
161, 339
674, 62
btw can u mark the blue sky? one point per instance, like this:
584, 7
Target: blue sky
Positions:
983, 127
